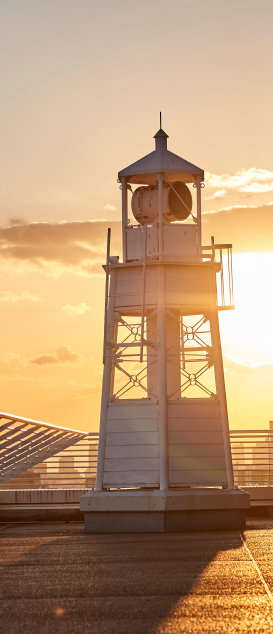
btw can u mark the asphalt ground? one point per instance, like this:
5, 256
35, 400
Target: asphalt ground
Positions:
55, 579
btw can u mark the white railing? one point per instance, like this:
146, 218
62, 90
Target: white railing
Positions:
75, 466
252, 457
25, 442
221, 255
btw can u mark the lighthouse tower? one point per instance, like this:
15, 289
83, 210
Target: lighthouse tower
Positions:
164, 460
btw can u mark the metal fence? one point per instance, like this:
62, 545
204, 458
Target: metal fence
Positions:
252, 457
75, 467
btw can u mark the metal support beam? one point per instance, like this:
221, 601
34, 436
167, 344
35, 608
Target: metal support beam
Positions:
162, 378
107, 378
160, 215
124, 217
221, 392
143, 290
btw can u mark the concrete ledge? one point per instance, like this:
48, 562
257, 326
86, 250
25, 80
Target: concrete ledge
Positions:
41, 496
260, 510
165, 522
171, 500
260, 494
41, 513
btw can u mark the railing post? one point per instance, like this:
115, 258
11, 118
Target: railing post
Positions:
199, 221
162, 378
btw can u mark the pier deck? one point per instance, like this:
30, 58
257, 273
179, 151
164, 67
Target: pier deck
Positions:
57, 579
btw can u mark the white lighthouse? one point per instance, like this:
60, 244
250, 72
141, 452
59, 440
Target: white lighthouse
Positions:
164, 461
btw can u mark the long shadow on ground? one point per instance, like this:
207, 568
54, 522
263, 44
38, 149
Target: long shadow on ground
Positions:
57, 579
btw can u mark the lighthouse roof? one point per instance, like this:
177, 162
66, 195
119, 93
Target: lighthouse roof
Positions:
161, 160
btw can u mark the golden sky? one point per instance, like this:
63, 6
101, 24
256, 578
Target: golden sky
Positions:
82, 83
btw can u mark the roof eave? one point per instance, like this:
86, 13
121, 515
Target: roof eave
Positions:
191, 172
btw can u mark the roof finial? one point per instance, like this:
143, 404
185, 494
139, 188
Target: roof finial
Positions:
160, 120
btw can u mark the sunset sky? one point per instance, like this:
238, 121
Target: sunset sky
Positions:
82, 84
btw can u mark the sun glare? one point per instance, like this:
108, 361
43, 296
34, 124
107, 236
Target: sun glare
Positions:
246, 332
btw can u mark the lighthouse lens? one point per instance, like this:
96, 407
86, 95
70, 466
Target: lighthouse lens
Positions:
180, 200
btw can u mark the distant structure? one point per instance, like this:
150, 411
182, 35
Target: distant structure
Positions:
164, 459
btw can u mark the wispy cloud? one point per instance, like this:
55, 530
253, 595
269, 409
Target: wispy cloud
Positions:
80, 309
62, 354
13, 360
7, 296
248, 228
253, 180
109, 208
219, 194
246, 365
55, 248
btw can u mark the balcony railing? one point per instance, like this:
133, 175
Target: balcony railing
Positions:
221, 254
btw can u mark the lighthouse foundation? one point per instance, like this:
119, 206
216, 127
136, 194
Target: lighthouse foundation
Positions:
171, 511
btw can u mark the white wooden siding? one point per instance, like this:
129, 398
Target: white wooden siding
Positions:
186, 451
196, 449
134, 410
195, 424
195, 438
195, 463
131, 464
132, 424
131, 479
194, 478
201, 408
132, 453
185, 286
135, 438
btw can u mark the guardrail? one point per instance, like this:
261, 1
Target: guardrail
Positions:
75, 467
221, 254
252, 457
25, 442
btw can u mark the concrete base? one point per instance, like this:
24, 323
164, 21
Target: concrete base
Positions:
164, 511
169, 522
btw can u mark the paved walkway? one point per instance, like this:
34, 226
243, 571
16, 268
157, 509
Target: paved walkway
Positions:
55, 579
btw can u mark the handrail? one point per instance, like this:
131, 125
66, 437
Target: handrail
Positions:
20, 419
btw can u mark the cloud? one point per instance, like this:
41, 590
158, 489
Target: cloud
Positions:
80, 309
15, 220
79, 247
62, 354
7, 296
239, 366
109, 208
248, 228
75, 247
219, 194
13, 360
253, 180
